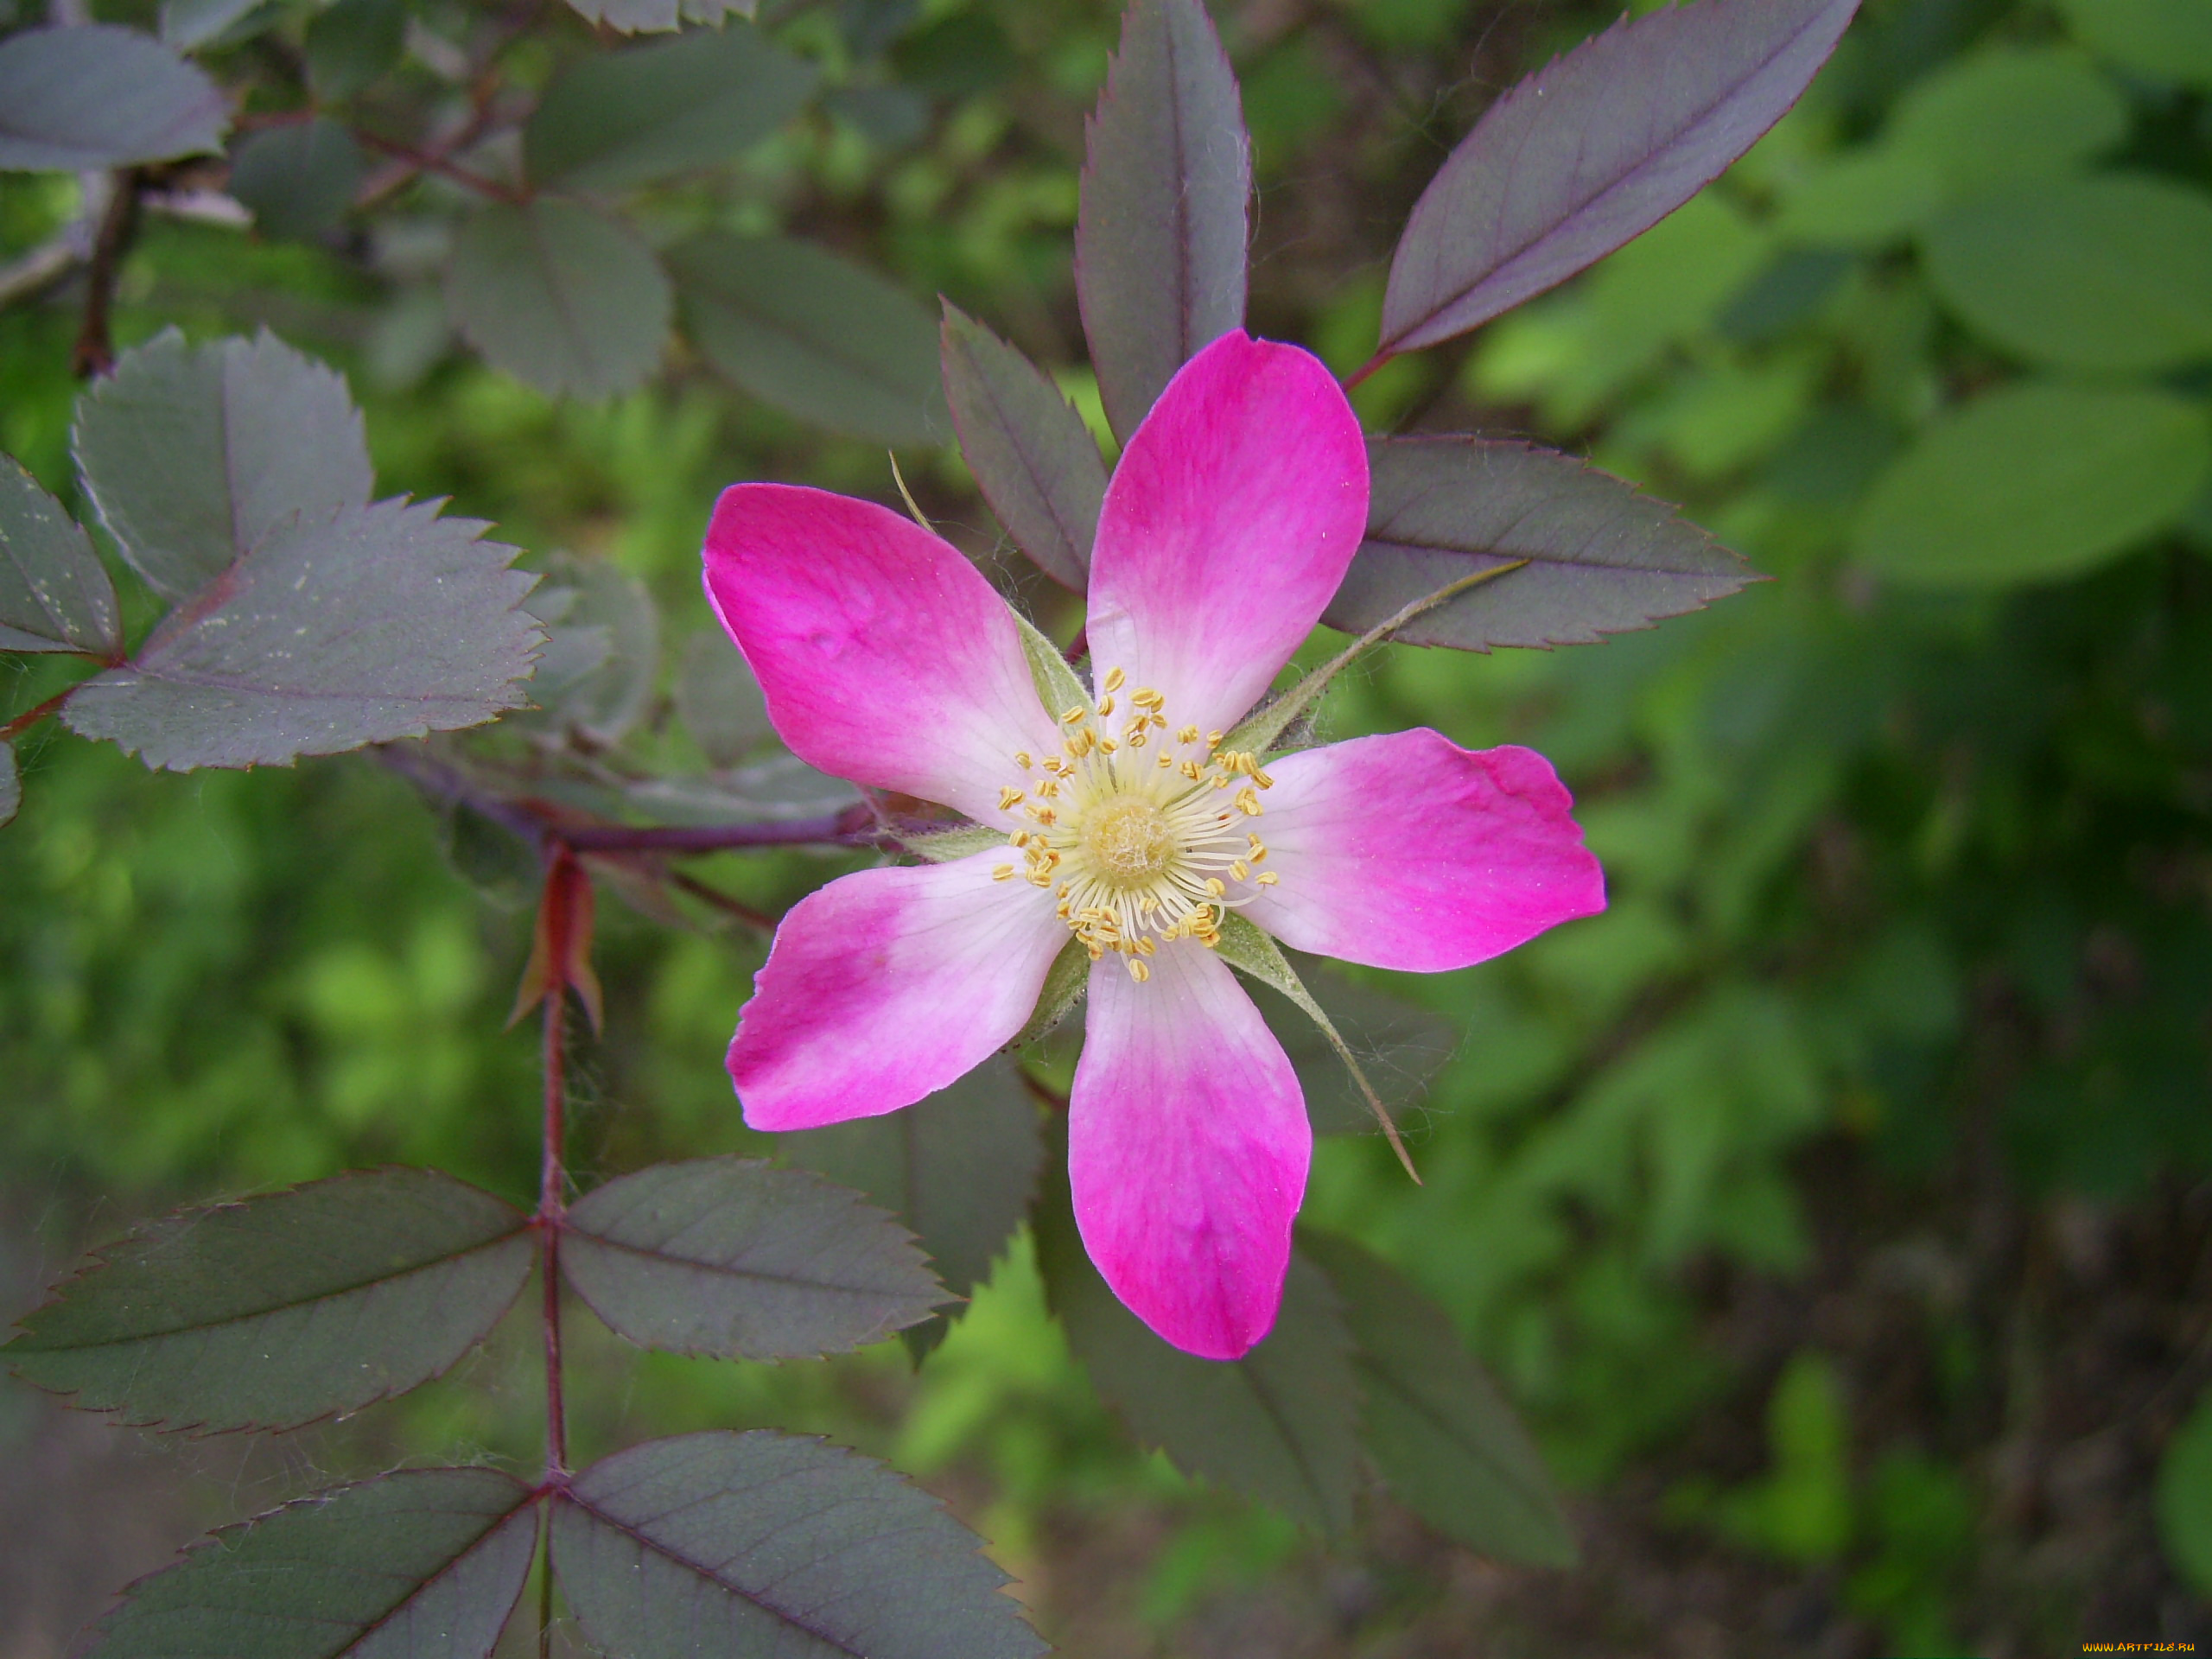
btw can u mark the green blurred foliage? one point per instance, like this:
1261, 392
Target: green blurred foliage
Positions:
1896, 867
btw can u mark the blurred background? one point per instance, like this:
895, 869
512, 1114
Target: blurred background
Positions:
1836, 1206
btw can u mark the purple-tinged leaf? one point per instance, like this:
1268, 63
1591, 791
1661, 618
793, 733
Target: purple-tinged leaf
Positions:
424, 1564
383, 622
1595, 148
95, 96
54, 592
1281, 1425
1033, 456
764, 1543
957, 1167
194, 454
1166, 177
1579, 553
280, 1310
720, 702
560, 297
736, 1258
815, 334
1447, 1442
1401, 1046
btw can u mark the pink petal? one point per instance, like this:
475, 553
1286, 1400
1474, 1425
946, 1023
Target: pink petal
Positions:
1227, 528
1187, 1148
885, 986
1407, 851
886, 657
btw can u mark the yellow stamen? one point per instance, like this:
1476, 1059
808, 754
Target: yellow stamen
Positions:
1248, 801
1002, 872
1267, 879
1138, 971
1009, 798
1112, 681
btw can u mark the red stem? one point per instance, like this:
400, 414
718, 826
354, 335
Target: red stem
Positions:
552, 1213
31, 717
1368, 368
431, 162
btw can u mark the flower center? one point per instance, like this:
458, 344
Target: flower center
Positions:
1129, 839
1144, 833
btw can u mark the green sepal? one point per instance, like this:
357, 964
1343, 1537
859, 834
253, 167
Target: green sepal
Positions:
1057, 688
1260, 730
1245, 948
1065, 983
943, 846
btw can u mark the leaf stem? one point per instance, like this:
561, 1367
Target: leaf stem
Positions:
431, 161
31, 717
94, 352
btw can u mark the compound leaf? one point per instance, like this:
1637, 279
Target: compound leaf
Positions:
1279, 1425
424, 1564
559, 297
1444, 1437
1594, 556
1033, 456
54, 592
619, 119
380, 622
94, 96
298, 179
1159, 232
762, 1543
815, 335
194, 454
1595, 148
958, 1168
2032, 482
737, 1258
280, 1310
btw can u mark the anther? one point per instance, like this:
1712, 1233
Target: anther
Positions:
1003, 873
1188, 735
1259, 846
1021, 758
1009, 798
1267, 879
1213, 740
1167, 761
1261, 778
1075, 716
1240, 870
1106, 707
1214, 887
1138, 971
1248, 801
1114, 680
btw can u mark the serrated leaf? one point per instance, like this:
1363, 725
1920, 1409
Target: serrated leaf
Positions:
381, 622
638, 17
424, 1564
280, 1310
958, 1168
1033, 456
11, 785
2110, 274
619, 119
559, 297
737, 1258
1595, 148
1445, 1439
608, 637
1600, 556
764, 1543
720, 702
54, 592
2032, 482
1401, 1046
194, 455
298, 181
1279, 1425
1160, 268
93, 96
353, 45
815, 335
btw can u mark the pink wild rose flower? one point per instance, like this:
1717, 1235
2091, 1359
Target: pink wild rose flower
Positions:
888, 660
